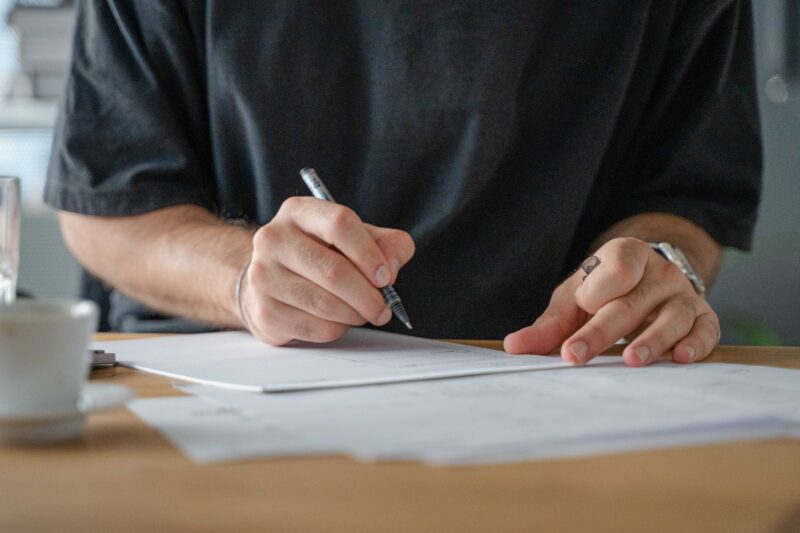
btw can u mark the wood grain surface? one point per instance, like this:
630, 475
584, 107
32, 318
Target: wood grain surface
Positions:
123, 476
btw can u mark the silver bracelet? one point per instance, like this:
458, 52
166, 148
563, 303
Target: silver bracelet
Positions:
238, 295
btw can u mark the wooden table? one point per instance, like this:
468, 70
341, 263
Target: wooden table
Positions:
123, 476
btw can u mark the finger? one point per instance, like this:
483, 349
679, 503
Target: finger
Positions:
622, 266
289, 288
310, 259
700, 341
641, 327
397, 246
673, 323
616, 319
561, 318
277, 323
340, 226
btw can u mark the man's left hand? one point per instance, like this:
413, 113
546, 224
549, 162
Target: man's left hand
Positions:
633, 293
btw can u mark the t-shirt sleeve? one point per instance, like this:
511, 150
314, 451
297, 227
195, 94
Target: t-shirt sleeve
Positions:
132, 132
697, 152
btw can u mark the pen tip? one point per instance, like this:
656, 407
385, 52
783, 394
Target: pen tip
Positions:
408, 325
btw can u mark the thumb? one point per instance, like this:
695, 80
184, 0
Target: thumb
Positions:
561, 319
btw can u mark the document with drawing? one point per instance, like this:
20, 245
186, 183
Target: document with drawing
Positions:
488, 419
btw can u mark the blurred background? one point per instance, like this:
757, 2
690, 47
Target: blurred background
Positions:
757, 294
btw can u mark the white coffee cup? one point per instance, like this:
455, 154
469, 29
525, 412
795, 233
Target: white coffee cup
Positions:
44, 365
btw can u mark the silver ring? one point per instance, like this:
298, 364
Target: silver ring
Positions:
589, 264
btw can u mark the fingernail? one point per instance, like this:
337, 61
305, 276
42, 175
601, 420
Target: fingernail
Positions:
382, 276
395, 265
692, 353
643, 353
385, 316
579, 350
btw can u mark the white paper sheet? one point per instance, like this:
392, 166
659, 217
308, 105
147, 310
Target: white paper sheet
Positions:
239, 361
209, 433
490, 419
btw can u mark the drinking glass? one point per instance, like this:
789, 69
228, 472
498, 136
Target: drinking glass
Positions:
9, 238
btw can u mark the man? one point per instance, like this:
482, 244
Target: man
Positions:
496, 144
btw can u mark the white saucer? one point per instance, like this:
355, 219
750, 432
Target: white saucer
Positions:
63, 425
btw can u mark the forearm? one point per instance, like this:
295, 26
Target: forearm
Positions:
700, 248
181, 260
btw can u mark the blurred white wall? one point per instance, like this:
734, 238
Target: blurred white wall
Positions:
34, 54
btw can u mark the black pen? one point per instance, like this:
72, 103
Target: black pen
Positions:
318, 189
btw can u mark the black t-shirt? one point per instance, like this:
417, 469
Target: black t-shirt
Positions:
504, 136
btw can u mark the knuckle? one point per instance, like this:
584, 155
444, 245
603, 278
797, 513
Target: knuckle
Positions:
624, 272
626, 248
627, 305
633, 245
342, 219
292, 204
626, 257
266, 236
334, 270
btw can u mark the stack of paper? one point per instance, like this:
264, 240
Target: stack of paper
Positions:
542, 410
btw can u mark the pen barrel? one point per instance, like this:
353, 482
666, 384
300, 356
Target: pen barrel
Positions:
315, 185
392, 298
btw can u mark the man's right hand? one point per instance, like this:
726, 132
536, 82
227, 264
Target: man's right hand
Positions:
316, 269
